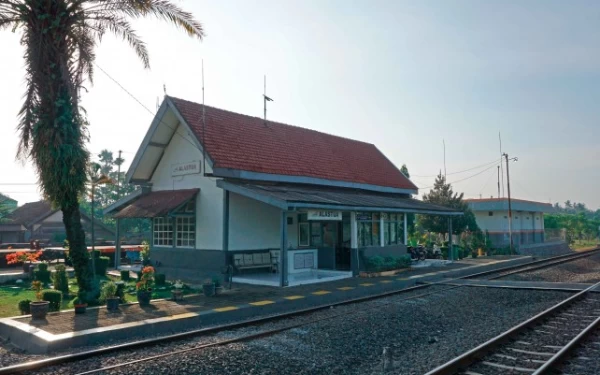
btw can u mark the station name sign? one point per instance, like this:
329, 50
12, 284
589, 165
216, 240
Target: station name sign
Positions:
324, 215
182, 169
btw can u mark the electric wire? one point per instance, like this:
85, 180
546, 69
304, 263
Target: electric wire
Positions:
461, 180
465, 170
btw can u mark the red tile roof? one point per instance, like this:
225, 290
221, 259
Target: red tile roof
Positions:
157, 203
240, 142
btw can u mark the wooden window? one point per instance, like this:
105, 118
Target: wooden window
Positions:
163, 231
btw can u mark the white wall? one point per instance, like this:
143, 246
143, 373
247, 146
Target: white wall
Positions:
209, 204
522, 221
253, 225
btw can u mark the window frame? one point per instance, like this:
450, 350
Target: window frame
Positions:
159, 237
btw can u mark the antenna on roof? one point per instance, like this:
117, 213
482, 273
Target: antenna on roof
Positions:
266, 99
157, 105
203, 125
165, 89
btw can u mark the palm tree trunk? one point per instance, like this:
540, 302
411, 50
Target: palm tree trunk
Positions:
78, 251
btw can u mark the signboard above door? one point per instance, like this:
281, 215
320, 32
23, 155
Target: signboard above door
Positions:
324, 215
182, 169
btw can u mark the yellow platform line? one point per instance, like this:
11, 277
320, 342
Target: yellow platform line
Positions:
321, 292
291, 298
385, 281
261, 303
226, 308
346, 288
367, 284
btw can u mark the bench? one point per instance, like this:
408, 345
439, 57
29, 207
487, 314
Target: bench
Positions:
254, 260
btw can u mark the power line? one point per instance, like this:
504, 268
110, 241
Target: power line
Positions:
487, 182
461, 180
143, 106
466, 170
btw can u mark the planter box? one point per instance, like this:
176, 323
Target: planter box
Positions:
382, 273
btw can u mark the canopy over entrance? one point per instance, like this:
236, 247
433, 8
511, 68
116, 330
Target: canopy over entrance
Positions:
156, 204
296, 196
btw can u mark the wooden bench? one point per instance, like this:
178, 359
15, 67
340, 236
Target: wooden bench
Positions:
253, 260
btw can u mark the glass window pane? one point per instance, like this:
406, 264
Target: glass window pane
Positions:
393, 237
375, 233
386, 232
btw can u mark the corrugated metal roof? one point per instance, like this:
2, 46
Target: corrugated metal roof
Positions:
156, 203
298, 196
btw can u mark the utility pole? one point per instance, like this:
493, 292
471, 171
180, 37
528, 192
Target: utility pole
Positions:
509, 204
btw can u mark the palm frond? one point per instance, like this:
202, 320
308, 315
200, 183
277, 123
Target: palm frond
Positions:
162, 9
122, 28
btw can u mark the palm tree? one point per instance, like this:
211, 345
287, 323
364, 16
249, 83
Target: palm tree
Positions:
59, 37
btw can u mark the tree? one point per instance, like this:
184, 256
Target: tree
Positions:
442, 195
59, 37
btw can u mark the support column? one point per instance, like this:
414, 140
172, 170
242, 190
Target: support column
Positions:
354, 258
450, 252
118, 245
381, 233
405, 222
226, 224
283, 271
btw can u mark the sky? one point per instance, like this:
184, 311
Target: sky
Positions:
407, 76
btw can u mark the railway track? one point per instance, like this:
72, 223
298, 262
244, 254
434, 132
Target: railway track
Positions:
536, 346
58, 360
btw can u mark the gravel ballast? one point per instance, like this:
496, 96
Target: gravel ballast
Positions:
584, 270
421, 333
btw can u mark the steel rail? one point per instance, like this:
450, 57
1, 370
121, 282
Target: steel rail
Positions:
469, 357
551, 365
57, 360
536, 264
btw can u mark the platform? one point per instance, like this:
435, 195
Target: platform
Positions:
65, 330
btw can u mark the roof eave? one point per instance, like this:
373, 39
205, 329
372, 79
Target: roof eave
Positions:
258, 176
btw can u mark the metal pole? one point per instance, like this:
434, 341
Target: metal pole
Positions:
118, 223
283, 271
93, 236
499, 179
405, 229
450, 249
510, 234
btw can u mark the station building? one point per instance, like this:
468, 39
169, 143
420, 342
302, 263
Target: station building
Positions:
491, 215
283, 205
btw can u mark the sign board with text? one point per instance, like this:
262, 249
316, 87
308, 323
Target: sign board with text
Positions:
324, 215
182, 169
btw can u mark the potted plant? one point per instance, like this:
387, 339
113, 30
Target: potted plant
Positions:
145, 253
80, 304
208, 287
109, 294
38, 308
144, 286
177, 291
23, 257
218, 287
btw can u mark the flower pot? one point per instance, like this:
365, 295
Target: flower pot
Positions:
80, 309
112, 304
218, 290
144, 296
177, 294
209, 290
39, 309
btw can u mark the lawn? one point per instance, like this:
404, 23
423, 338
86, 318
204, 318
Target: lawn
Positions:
582, 244
12, 293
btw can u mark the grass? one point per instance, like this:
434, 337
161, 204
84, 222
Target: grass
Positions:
582, 244
12, 293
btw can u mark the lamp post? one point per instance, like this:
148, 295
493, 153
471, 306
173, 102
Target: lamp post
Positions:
95, 178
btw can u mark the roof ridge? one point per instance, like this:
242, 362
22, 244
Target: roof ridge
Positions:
275, 122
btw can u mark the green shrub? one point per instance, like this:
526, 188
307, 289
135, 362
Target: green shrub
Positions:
444, 250
60, 279
109, 290
54, 297
160, 279
24, 307
379, 264
125, 275
96, 254
102, 265
121, 291
42, 274
217, 281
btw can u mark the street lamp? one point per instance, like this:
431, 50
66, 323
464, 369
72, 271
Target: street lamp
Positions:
95, 178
